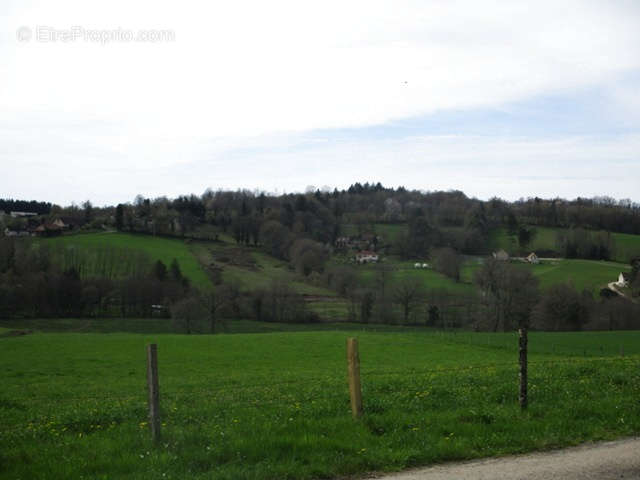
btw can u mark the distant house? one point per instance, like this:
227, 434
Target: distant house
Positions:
501, 255
48, 230
533, 258
366, 256
23, 214
59, 223
16, 233
623, 280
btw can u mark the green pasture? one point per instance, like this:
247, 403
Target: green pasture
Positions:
164, 325
591, 275
405, 270
157, 248
626, 246
263, 406
544, 239
251, 268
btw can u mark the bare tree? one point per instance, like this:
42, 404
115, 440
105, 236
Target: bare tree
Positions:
509, 292
189, 314
513, 293
383, 278
447, 261
408, 294
214, 301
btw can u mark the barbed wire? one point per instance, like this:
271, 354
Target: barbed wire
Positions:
336, 398
310, 383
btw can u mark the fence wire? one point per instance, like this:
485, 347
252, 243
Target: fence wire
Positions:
337, 379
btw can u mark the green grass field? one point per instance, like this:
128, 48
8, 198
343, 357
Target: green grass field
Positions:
403, 270
582, 274
253, 269
276, 405
544, 239
626, 246
157, 248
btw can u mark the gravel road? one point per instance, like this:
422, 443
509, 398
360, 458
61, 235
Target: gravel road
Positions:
602, 461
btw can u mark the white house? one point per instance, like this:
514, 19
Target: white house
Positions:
501, 255
622, 280
366, 256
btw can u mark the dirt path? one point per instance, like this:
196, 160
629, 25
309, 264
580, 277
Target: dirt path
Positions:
602, 461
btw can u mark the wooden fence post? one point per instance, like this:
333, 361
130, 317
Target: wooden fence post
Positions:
355, 392
154, 392
522, 344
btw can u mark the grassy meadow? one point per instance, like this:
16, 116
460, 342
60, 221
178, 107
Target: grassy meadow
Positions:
588, 275
156, 248
626, 246
253, 269
405, 270
264, 406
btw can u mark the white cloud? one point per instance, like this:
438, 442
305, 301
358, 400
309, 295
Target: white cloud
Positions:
240, 70
480, 166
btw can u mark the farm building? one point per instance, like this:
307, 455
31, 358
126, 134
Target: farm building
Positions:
366, 256
501, 255
623, 280
48, 230
59, 223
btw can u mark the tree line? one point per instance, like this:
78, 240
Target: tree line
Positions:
37, 281
434, 219
506, 296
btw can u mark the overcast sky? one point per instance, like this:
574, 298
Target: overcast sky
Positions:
504, 98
